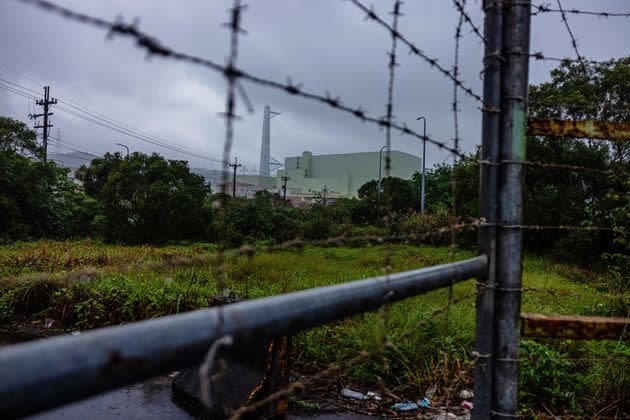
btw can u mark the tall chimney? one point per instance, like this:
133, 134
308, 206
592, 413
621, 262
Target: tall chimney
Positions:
265, 144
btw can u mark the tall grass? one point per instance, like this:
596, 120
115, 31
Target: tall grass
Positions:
431, 355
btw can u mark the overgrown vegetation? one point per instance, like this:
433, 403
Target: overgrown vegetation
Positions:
146, 199
433, 354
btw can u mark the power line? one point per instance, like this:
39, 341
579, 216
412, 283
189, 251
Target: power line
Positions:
134, 135
105, 122
16, 91
73, 150
20, 86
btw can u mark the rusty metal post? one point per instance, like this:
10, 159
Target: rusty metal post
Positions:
507, 304
488, 202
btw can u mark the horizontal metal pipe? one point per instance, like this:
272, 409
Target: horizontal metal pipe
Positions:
44, 374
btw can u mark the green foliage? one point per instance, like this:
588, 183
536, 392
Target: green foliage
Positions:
547, 377
36, 198
443, 182
147, 198
418, 224
396, 194
578, 91
550, 372
266, 217
17, 139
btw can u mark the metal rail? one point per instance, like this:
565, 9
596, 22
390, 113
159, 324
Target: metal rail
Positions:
45, 374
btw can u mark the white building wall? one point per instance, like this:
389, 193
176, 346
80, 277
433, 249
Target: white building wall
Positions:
343, 173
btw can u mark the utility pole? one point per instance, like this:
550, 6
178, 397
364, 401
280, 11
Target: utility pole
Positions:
424, 155
378, 192
45, 103
324, 196
234, 165
284, 186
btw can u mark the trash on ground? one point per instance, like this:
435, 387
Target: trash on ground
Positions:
467, 405
406, 406
350, 393
431, 391
373, 396
424, 403
465, 394
49, 322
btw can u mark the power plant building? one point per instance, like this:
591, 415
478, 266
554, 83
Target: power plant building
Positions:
342, 174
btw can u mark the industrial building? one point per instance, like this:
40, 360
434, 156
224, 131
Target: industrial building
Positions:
341, 175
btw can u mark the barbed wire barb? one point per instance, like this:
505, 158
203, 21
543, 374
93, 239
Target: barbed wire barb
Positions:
545, 8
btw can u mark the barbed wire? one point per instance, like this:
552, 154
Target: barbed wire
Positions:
572, 168
540, 56
458, 35
362, 355
581, 105
389, 253
546, 8
413, 49
230, 106
566, 24
154, 47
176, 262
459, 5
233, 77
548, 290
551, 165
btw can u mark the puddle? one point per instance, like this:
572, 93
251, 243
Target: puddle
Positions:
147, 400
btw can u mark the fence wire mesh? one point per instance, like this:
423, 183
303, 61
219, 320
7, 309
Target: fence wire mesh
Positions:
537, 358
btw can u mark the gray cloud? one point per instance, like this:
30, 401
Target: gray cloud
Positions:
327, 45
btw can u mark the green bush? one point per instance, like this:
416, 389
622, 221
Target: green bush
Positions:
547, 377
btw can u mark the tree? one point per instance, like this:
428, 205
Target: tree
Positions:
396, 194
146, 198
440, 191
17, 138
577, 91
36, 199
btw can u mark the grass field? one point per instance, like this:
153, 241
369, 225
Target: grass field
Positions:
552, 377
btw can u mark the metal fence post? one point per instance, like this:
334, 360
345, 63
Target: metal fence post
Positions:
516, 27
488, 202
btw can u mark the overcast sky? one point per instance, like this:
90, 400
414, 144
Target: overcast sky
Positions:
325, 44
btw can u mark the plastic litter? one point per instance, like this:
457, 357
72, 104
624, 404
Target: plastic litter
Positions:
424, 403
406, 406
467, 405
465, 394
431, 391
350, 393
49, 322
373, 396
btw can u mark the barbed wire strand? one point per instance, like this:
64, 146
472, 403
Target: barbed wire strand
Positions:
460, 6
453, 175
230, 116
413, 49
540, 56
176, 262
155, 47
545, 8
362, 355
389, 252
233, 75
566, 24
